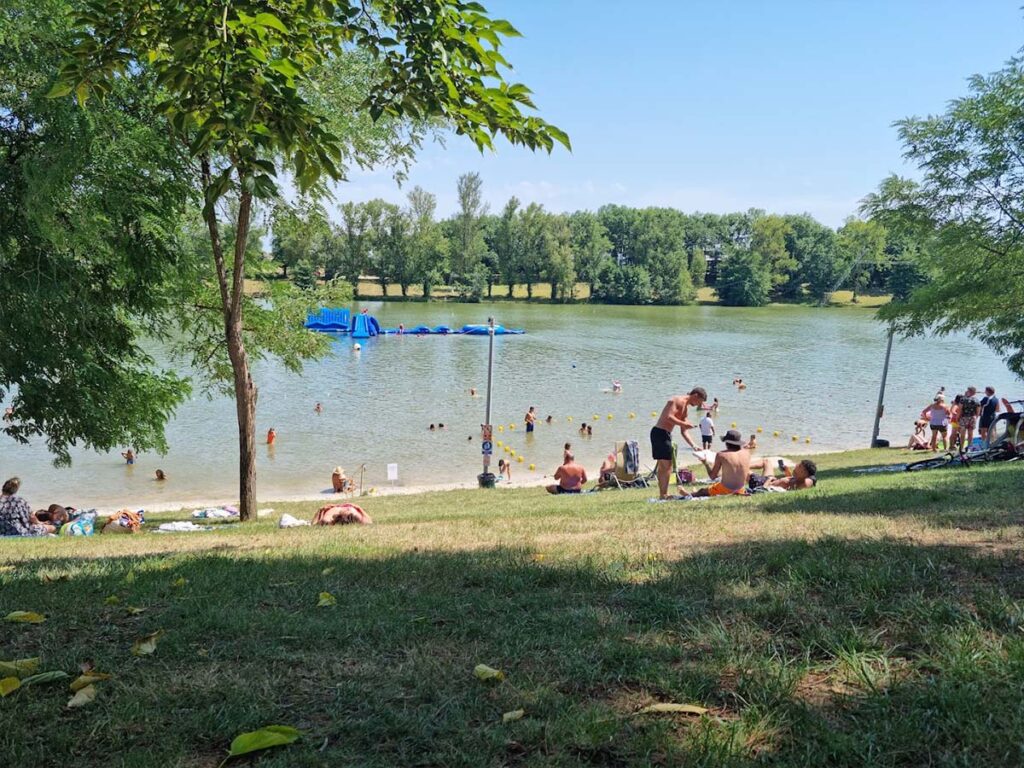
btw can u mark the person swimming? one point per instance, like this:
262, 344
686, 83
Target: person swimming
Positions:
160, 476
129, 456
271, 436
617, 387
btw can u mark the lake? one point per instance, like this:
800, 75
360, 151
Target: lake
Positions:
810, 372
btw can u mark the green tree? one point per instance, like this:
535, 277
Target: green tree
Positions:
468, 245
967, 215
392, 246
860, 249
768, 240
744, 279
427, 245
234, 77
90, 207
559, 265
299, 234
623, 285
698, 268
506, 242
590, 246
534, 223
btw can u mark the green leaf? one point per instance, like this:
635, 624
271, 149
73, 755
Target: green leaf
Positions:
285, 67
45, 677
270, 20
265, 738
9, 685
326, 600
18, 668
58, 90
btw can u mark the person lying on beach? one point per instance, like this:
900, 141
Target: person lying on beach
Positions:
730, 470
803, 475
570, 476
55, 515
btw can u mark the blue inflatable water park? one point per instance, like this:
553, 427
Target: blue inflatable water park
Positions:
365, 326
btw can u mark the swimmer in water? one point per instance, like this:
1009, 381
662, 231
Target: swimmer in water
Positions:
160, 476
431, 428
617, 387
549, 419
271, 436
318, 409
129, 456
472, 391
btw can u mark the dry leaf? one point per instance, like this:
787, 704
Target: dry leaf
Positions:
657, 709
326, 600
83, 697
25, 617
133, 611
179, 582
9, 685
146, 645
19, 667
88, 678
326, 571
112, 600
488, 674
515, 714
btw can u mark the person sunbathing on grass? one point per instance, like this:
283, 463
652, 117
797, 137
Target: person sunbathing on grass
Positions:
730, 470
570, 476
803, 475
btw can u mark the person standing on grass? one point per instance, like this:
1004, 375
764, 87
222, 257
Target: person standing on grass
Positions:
969, 408
937, 415
531, 419
673, 415
989, 409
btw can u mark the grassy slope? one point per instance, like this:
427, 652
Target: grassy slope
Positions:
874, 620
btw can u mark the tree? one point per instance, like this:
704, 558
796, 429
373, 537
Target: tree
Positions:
468, 246
534, 223
744, 280
623, 285
90, 207
428, 249
233, 77
967, 216
698, 268
768, 241
590, 246
392, 246
506, 242
560, 268
860, 248
300, 233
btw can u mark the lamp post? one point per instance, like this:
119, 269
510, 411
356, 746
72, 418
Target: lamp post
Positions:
881, 395
486, 478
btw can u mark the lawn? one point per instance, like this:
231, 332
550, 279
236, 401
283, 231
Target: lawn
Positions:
875, 620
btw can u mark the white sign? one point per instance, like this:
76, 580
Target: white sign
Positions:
392, 472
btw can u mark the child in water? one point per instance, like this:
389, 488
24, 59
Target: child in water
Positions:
129, 456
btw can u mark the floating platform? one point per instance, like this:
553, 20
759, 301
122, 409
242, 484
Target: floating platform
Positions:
364, 326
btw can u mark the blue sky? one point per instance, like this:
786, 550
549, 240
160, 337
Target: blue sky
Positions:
720, 106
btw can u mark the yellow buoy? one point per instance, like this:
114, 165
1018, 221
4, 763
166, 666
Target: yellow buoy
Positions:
595, 417
632, 415
807, 440
498, 443
759, 430
507, 449
733, 425
501, 428
653, 414
609, 417
775, 434
568, 418
533, 467
511, 426
795, 438
519, 459
512, 453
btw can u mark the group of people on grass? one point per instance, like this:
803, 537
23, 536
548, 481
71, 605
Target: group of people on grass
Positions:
732, 471
18, 519
954, 423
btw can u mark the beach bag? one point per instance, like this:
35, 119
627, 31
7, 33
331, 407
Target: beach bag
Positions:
341, 514
124, 521
684, 475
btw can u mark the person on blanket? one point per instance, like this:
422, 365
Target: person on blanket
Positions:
731, 469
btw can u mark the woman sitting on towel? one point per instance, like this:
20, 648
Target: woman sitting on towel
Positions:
339, 482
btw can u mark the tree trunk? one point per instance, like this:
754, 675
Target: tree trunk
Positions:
554, 291
405, 290
529, 291
490, 288
284, 267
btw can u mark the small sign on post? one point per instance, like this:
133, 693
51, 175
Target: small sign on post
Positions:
487, 448
392, 473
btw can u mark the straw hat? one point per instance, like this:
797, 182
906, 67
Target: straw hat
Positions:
338, 471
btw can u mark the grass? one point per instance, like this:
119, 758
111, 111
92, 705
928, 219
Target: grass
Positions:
875, 620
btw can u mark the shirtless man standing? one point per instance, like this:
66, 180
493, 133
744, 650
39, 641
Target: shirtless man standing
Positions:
672, 416
731, 468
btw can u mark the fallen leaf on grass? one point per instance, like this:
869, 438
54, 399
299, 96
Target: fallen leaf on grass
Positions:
326, 600
112, 600
45, 677
658, 709
515, 714
88, 678
129, 578
146, 645
9, 685
18, 667
488, 674
83, 697
266, 737
25, 617
326, 571
133, 611
179, 582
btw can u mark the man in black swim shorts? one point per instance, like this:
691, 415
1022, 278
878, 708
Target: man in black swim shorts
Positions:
672, 415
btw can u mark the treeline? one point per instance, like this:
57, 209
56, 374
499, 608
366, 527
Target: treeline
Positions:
625, 255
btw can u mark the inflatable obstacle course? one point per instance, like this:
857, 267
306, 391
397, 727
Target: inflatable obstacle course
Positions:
364, 326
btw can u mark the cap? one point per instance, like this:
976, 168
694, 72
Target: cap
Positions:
733, 437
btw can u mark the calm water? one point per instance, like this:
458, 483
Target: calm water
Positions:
810, 372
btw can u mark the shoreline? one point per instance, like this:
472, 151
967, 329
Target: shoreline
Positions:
398, 490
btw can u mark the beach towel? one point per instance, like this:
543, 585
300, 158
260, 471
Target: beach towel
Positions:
287, 521
84, 524
631, 457
341, 514
182, 526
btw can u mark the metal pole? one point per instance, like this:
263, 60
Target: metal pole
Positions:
486, 479
881, 390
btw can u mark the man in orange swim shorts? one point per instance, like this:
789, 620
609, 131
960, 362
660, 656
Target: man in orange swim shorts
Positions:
730, 470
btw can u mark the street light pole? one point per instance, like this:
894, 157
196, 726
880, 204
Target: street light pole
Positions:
881, 391
486, 478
